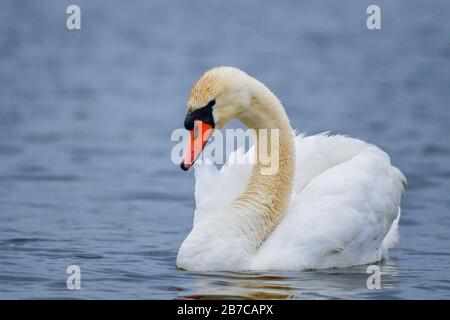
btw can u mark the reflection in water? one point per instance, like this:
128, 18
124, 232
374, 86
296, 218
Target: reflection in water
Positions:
318, 284
228, 285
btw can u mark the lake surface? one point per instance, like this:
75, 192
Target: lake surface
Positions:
86, 117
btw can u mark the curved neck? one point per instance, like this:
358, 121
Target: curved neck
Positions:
269, 189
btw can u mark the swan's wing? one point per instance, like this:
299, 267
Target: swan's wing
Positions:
343, 206
216, 188
315, 154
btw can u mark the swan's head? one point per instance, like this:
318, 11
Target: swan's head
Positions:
220, 95
223, 89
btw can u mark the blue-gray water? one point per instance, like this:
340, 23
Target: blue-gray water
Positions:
86, 118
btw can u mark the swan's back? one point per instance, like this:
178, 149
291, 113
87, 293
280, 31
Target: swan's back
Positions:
345, 202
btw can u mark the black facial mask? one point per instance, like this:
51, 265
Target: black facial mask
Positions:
204, 114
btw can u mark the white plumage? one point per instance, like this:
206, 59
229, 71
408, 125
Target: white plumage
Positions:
344, 209
334, 201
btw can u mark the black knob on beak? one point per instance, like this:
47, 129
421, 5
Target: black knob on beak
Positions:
204, 114
189, 121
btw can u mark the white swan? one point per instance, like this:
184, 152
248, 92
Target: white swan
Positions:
334, 201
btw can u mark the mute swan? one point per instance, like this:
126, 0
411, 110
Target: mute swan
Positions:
334, 202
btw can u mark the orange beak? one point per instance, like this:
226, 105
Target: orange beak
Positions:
199, 135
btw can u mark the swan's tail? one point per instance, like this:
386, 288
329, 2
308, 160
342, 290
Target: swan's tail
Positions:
392, 236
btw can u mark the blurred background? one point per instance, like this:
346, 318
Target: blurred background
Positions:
86, 118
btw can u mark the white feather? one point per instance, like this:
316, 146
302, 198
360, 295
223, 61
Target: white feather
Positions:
344, 209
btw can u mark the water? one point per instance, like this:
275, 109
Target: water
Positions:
86, 118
